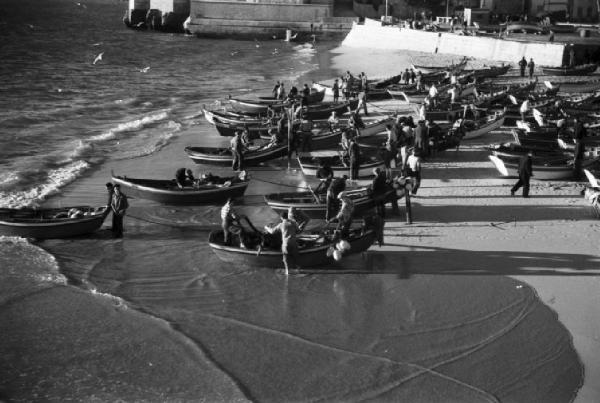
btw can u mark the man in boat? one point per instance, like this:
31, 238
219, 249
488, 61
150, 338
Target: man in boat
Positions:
184, 177
525, 171
433, 95
522, 65
337, 186
344, 216
325, 176
237, 151
333, 121
118, 206
289, 229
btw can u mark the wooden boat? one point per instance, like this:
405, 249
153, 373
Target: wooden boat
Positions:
167, 191
310, 162
231, 118
315, 96
223, 156
525, 28
323, 110
581, 70
544, 167
373, 93
313, 248
251, 107
490, 72
434, 69
476, 128
584, 86
51, 222
314, 205
255, 130
447, 112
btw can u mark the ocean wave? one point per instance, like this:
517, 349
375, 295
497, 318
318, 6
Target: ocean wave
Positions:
152, 145
35, 263
56, 179
132, 125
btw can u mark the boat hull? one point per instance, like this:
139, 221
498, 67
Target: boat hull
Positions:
13, 222
160, 191
223, 156
273, 259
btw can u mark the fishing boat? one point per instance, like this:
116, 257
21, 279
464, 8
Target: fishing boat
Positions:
544, 167
222, 156
323, 110
50, 223
255, 131
315, 96
313, 248
373, 93
490, 72
581, 70
583, 86
253, 107
310, 163
525, 28
216, 189
473, 129
444, 112
314, 205
435, 69
212, 116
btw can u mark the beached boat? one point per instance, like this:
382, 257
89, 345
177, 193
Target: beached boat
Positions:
581, 70
167, 191
445, 112
253, 107
323, 110
373, 93
310, 163
255, 131
490, 72
312, 248
315, 96
212, 116
473, 129
544, 167
314, 205
583, 86
525, 28
223, 156
50, 223
436, 69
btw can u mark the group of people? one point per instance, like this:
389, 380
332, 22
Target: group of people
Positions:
524, 64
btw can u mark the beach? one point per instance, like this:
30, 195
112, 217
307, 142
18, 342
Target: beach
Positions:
483, 297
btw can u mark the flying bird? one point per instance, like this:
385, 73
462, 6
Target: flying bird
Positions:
145, 69
235, 52
257, 43
98, 58
80, 5
30, 26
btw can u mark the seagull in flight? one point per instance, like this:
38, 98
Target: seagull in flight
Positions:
30, 26
257, 43
235, 52
98, 58
80, 5
145, 69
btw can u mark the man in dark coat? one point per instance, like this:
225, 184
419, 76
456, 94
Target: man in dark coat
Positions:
354, 159
525, 172
421, 138
522, 65
379, 188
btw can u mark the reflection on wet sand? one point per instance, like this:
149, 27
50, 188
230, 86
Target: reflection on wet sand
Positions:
373, 331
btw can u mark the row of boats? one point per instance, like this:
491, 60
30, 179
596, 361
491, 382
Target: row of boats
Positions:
484, 106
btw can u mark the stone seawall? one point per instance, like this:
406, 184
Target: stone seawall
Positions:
372, 34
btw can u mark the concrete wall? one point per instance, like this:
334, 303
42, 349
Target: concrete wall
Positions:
373, 35
175, 6
237, 10
139, 5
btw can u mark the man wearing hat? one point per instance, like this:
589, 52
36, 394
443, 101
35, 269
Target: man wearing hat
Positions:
344, 216
379, 188
337, 186
118, 206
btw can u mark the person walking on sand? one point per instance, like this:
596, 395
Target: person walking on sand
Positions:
525, 171
531, 67
378, 190
522, 65
414, 170
237, 151
118, 206
336, 91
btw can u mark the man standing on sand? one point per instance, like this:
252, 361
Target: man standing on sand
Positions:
531, 67
289, 229
110, 190
525, 172
118, 206
522, 65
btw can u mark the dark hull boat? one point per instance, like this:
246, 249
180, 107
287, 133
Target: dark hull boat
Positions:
315, 96
544, 167
167, 191
582, 70
255, 107
313, 249
314, 205
223, 156
51, 223
310, 163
